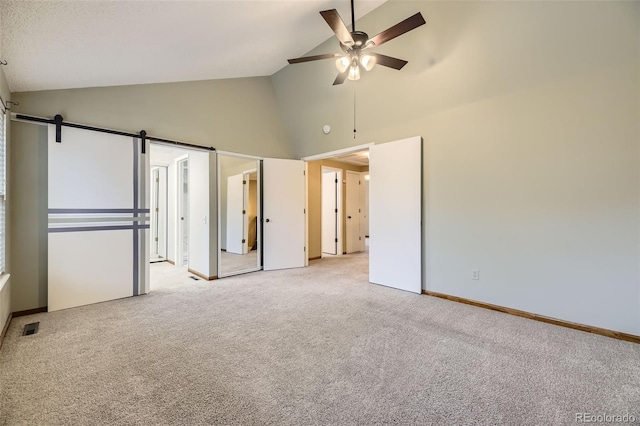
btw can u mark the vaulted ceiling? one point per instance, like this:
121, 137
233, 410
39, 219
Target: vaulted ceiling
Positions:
70, 44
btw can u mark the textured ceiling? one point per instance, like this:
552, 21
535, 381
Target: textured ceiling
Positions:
68, 44
360, 158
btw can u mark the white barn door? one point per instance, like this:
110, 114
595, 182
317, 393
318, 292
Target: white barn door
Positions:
395, 214
98, 218
284, 215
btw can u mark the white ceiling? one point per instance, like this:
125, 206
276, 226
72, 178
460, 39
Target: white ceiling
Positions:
69, 44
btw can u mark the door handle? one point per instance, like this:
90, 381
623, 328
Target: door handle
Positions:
182, 218
348, 217
267, 220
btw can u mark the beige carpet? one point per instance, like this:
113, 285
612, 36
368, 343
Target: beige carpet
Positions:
317, 345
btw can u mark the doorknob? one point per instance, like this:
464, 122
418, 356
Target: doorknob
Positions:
348, 217
182, 218
267, 220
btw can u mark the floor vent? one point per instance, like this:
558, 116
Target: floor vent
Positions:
194, 278
30, 329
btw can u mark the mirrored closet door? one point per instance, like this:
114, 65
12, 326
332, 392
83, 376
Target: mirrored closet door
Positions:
239, 226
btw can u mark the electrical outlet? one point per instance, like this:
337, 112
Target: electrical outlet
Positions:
475, 274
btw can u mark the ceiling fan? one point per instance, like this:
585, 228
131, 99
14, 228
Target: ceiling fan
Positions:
356, 45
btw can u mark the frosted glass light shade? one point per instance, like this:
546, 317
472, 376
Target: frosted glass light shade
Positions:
354, 73
368, 62
343, 63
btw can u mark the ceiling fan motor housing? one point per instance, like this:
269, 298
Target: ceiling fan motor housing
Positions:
359, 38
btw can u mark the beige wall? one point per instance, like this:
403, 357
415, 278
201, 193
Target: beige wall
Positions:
207, 113
529, 114
315, 202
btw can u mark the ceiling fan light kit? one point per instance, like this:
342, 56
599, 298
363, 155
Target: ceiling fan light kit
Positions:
356, 46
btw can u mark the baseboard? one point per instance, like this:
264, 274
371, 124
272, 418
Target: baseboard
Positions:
315, 258
5, 328
204, 277
171, 262
516, 312
30, 312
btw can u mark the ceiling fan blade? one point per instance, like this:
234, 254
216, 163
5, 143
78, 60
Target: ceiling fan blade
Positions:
314, 58
337, 25
341, 77
388, 61
398, 29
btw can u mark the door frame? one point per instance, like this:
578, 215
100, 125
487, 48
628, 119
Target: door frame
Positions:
339, 205
324, 156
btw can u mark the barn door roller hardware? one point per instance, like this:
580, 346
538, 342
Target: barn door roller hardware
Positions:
58, 121
143, 139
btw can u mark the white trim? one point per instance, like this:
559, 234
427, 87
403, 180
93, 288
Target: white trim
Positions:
235, 154
338, 152
306, 216
15, 118
4, 279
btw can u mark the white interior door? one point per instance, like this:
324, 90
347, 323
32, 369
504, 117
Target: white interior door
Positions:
395, 214
364, 194
284, 214
158, 215
235, 219
155, 190
329, 212
245, 212
183, 212
161, 212
353, 213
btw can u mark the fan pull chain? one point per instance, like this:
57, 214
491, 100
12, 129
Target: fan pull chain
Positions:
354, 110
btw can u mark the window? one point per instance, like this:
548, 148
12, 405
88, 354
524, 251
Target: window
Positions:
3, 191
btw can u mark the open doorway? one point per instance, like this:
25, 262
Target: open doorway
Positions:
337, 203
393, 197
180, 215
